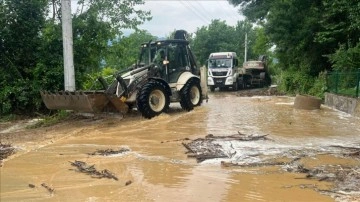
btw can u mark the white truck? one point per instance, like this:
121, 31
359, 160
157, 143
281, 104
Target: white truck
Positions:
223, 71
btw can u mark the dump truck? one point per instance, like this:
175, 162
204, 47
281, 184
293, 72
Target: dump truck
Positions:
223, 71
165, 72
254, 73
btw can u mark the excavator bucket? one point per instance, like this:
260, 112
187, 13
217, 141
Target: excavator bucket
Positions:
83, 101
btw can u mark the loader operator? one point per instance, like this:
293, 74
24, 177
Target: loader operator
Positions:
160, 62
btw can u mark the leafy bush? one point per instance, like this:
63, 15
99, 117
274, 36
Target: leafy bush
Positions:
20, 97
91, 80
295, 82
319, 87
346, 59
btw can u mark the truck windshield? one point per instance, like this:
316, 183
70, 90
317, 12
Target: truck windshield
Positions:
220, 63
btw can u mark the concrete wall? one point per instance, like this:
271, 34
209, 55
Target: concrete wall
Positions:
342, 103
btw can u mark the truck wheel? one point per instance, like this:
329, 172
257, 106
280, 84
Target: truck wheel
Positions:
212, 88
152, 99
235, 86
190, 95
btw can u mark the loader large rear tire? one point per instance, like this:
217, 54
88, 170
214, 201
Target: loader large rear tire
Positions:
152, 99
190, 95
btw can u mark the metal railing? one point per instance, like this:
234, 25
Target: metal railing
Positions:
343, 83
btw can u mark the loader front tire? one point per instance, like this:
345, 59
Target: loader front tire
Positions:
190, 95
152, 99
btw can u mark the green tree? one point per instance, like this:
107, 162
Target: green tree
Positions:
246, 28
124, 51
340, 25
31, 45
96, 27
310, 36
254, 10
219, 36
20, 36
216, 37
262, 44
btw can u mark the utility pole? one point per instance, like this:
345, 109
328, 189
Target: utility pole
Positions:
245, 57
67, 34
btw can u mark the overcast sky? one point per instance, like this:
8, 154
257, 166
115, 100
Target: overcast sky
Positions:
170, 15
188, 15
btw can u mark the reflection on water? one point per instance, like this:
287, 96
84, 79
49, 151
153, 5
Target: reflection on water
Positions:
159, 169
275, 187
276, 116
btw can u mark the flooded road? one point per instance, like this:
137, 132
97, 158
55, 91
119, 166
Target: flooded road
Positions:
157, 168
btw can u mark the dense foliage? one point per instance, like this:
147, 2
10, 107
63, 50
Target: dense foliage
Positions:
21, 23
31, 46
219, 37
310, 37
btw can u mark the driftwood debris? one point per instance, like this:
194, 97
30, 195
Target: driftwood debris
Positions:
6, 150
47, 187
177, 140
344, 178
239, 136
90, 170
107, 152
350, 151
259, 164
202, 149
206, 148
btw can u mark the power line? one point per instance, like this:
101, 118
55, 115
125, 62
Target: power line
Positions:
202, 9
204, 19
227, 14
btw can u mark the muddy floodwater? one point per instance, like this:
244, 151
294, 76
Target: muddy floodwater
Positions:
153, 164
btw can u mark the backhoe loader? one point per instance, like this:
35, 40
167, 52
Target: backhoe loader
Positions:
165, 72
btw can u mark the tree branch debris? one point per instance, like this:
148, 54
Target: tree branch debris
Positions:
204, 148
47, 187
90, 170
6, 150
107, 152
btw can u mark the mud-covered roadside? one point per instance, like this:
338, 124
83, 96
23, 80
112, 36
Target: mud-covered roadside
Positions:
29, 133
267, 91
5, 151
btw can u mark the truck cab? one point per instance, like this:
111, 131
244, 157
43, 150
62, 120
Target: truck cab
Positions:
222, 70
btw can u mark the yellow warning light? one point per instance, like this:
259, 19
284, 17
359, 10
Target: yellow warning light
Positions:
123, 99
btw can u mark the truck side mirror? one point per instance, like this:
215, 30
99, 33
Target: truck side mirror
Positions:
236, 62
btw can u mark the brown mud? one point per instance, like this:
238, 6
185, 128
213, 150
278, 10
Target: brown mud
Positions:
346, 179
233, 148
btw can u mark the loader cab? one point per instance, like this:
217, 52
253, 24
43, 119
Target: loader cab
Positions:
147, 53
171, 58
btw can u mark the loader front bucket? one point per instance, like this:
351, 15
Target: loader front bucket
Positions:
82, 101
